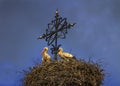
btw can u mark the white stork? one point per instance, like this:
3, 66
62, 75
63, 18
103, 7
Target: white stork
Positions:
65, 55
45, 56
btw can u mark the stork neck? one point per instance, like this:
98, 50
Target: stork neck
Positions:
60, 52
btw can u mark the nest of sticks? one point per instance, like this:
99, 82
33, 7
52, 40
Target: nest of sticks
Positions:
65, 73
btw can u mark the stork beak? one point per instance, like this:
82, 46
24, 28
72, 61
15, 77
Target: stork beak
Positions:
41, 52
58, 50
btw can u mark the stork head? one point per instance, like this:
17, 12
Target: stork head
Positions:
60, 49
45, 48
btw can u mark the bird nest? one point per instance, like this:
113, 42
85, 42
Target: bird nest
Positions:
65, 73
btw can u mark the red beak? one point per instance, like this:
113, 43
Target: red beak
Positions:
41, 52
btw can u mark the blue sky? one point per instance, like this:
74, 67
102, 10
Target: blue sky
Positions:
95, 35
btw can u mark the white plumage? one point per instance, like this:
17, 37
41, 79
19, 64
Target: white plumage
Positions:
64, 55
45, 56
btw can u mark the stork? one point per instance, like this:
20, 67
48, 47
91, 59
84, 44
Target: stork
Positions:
45, 56
65, 55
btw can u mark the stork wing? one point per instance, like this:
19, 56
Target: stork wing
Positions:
67, 55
